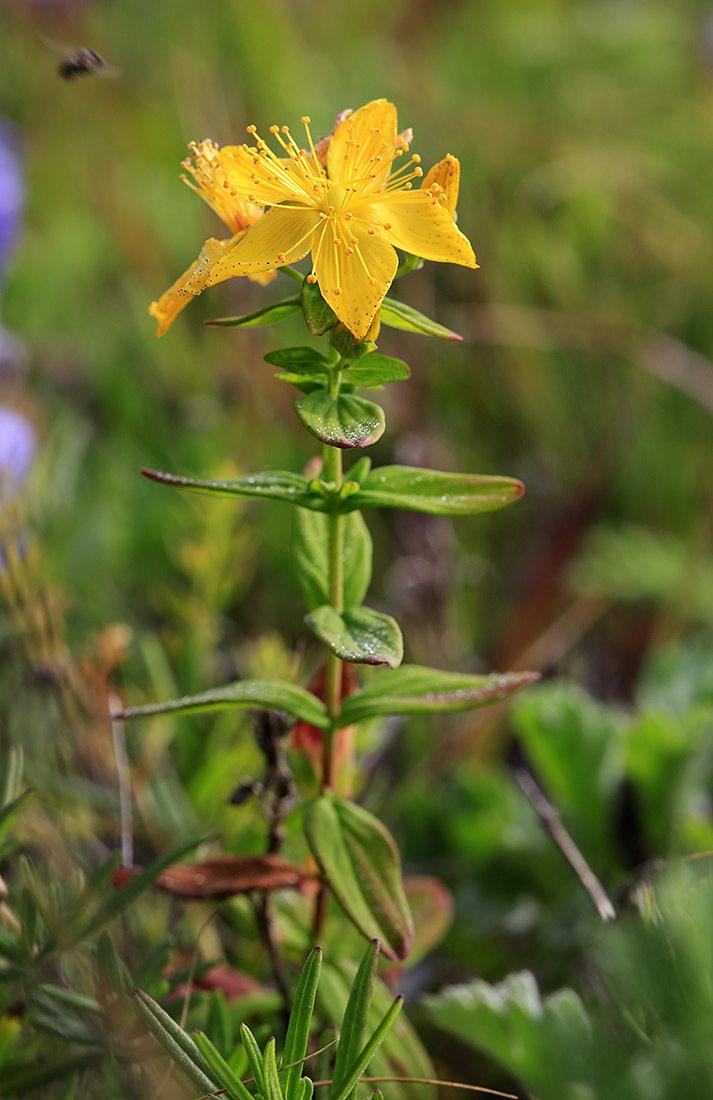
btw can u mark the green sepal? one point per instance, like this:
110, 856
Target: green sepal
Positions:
175, 1041
262, 694
318, 316
270, 315
356, 1016
399, 315
344, 342
341, 420
436, 493
358, 635
359, 859
360, 470
408, 264
299, 1026
375, 369
310, 553
413, 689
234, 1087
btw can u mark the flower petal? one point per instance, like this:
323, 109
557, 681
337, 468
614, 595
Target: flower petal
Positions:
447, 175
191, 282
419, 224
282, 236
346, 161
261, 178
358, 302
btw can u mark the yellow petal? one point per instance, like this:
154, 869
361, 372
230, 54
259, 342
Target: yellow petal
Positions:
282, 236
446, 174
346, 161
358, 302
419, 224
191, 282
261, 179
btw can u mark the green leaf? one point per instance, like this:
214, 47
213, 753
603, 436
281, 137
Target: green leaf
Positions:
341, 421
310, 550
413, 689
13, 809
20, 1079
356, 1016
399, 315
299, 1025
358, 1068
438, 494
220, 1069
271, 485
299, 360
254, 1058
219, 1024
69, 998
270, 694
359, 859
360, 470
374, 369
319, 316
119, 900
358, 635
272, 1081
112, 975
270, 315
175, 1041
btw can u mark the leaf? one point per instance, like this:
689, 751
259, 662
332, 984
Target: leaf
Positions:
270, 694
359, 859
174, 1041
358, 1068
20, 1079
399, 315
299, 360
270, 315
413, 689
13, 809
432, 906
438, 494
121, 899
220, 1069
310, 552
226, 876
271, 485
356, 1016
319, 316
358, 635
341, 420
374, 369
254, 1058
299, 1025
272, 1080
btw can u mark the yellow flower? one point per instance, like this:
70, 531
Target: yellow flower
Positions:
207, 169
350, 214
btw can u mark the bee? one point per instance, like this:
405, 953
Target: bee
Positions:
80, 61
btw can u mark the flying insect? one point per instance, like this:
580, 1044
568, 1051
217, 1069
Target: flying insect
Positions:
80, 61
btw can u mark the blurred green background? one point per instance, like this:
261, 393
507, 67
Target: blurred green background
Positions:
585, 135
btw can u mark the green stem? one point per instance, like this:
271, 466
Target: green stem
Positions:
335, 528
287, 270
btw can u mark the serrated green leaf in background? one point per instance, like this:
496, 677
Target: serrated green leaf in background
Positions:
270, 694
413, 689
310, 553
374, 369
341, 420
358, 635
359, 859
270, 315
399, 315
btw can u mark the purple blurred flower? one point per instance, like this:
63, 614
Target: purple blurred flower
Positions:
17, 449
12, 193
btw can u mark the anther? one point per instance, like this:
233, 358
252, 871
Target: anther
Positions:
305, 120
312, 279
281, 258
372, 282
337, 290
